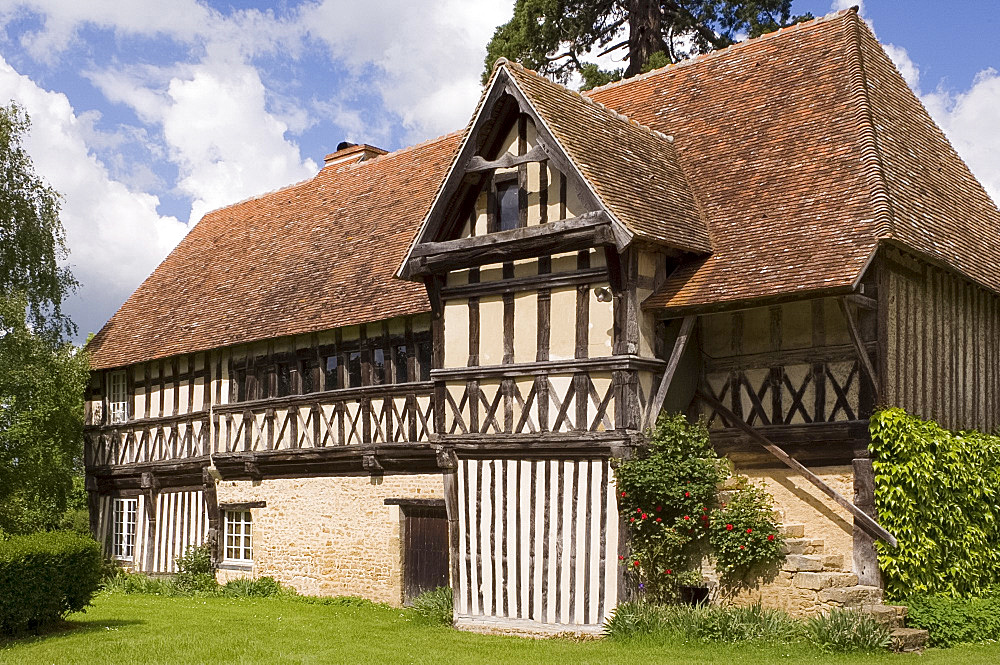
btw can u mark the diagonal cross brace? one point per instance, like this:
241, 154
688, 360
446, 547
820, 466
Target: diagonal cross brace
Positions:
655, 404
862, 519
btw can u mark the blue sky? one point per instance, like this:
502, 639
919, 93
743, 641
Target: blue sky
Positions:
147, 113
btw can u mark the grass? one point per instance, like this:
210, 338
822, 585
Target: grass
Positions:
151, 629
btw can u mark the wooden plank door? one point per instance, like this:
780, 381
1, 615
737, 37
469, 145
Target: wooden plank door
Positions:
425, 550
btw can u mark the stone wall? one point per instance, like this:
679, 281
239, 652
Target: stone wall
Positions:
330, 536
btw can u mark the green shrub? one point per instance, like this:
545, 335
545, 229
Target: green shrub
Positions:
139, 583
45, 576
847, 630
435, 606
745, 537
261, 587
952, 621
666, 494
938, 492
718, 623
196, 570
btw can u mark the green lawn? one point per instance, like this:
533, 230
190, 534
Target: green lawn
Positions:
151, 629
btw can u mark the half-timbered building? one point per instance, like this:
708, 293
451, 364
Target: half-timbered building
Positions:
416, 368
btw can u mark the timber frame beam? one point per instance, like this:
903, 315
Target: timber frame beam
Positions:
593, 229
656, 404
861, 518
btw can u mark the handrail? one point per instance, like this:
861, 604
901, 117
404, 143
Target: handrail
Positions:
863, 519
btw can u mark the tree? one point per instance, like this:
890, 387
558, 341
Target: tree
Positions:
553, 37
42, 376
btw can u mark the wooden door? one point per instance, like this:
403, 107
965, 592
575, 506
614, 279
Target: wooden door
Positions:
425, 550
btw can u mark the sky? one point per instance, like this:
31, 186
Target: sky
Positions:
149, 113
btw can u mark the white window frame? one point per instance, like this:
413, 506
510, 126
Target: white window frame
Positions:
117, 397
125, 519
238, 545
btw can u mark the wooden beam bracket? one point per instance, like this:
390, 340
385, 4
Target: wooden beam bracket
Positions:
656, 404
867, 523
859, 345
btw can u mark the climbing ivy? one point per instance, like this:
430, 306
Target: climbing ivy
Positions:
938, 492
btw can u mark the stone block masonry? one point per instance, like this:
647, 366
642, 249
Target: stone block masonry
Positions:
330, 536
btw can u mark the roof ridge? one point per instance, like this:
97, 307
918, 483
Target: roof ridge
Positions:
871, 153
719, 52
593, 102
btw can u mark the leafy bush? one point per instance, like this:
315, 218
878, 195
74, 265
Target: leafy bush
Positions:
667, 493
719, 623
953, 621
848, 630
435, 606
261, 587
938, 492
744, 535
45, 576
196, 570
139, 583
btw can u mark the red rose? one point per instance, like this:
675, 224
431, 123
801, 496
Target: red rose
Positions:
658, 519
621, 557
686, 517
742, 548
686, 494
623, 494
668, 571
729, 527
704, 510
638, 510
631, 519
749, 530
771, 537
636, 563
659, 508
644, 516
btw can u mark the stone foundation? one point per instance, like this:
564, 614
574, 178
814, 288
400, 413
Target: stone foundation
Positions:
330, 536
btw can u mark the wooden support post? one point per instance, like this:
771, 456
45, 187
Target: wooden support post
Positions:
861, 519
865, 557
214, 539
859, 344
151, 488
655, 404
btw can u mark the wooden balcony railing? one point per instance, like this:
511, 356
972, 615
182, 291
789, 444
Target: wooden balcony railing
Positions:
373, 414
147, 440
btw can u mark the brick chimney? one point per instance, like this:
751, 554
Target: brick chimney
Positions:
349, 153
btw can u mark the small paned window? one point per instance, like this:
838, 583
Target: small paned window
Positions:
508, 212
117, 397
125, 511
239, 536
424, 355
306, 369
332, 375
284, 379
378, 367
399, 363
354, 369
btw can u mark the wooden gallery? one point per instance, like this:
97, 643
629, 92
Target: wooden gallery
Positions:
414, 369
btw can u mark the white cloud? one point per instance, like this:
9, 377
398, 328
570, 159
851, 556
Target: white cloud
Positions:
970, 119
115, 235
431, 54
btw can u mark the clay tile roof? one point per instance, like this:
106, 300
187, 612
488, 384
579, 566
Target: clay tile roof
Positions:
313, 256
633, 169
806, 149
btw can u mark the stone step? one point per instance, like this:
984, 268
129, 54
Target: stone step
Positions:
818, 581
852, 596
803, 546
890, 616
909, 639
833, 561
793, 530
803, 563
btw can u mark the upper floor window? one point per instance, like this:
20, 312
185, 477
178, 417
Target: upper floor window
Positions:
117, 397
508, 211
123, 546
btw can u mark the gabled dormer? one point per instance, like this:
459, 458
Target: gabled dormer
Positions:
543, 170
